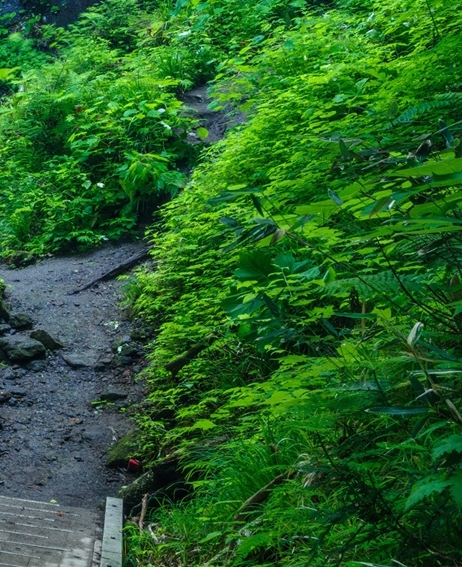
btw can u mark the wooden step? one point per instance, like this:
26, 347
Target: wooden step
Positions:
43, 534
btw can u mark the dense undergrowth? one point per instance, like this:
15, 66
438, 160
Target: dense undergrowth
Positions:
307, 292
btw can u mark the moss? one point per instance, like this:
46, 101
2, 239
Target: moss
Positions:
127, 447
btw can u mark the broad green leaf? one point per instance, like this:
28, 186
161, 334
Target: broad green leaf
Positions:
254, 266
210, 536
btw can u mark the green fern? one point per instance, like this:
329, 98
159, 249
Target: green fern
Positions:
384, 283
414, 112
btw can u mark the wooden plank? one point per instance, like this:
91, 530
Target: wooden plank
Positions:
111, 553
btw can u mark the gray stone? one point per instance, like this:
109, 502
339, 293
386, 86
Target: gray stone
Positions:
82, 360
19, 348
125, 347
19, 392
124, 449
5, 396
46, 339
37, 365
8, 374
103, 362
122, 360
20, 321
4, 328
112, 395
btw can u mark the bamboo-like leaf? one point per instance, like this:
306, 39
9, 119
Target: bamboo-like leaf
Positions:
280, 233
344, 151
398, 410
446, 133
257, 204
415, 333
335, 197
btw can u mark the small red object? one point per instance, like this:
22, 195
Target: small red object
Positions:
133, 465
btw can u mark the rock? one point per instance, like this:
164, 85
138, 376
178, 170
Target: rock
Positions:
5, 396
4, 328
124, 449
46, 339
20, 321
8, 374
122, 360
124, 347
103, 362
165, 474
82, 360
37, 365
112, 395
19, 392
19, 348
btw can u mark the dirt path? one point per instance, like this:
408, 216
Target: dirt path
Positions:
52, 440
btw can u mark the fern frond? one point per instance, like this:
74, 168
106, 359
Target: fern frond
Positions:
383, 283
414, 112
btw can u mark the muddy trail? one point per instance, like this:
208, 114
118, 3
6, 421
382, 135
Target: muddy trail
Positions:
53, 437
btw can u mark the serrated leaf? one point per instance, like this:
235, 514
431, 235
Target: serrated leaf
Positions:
203, 424
422, 491
456, 488
447, 445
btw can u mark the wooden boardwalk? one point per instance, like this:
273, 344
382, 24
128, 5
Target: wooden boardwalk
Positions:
39, 534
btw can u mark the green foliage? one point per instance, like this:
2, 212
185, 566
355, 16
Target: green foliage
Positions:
91, 146
319, 245
307, 293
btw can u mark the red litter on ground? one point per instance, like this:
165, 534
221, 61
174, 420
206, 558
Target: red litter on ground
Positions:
133, 465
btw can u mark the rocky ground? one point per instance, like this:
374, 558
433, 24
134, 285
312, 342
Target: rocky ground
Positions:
53, 436
54, 433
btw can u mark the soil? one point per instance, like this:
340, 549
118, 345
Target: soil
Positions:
53, 440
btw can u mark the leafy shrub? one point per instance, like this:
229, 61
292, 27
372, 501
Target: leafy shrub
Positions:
319, 246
